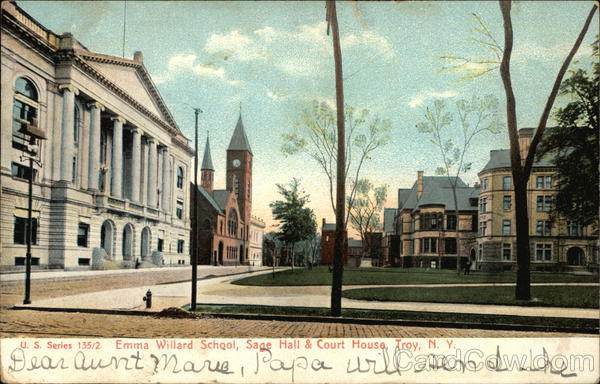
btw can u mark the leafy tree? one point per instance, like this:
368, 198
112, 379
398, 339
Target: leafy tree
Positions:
520, 167
297, 221
573, 146
365, 211
316, 137
475, 117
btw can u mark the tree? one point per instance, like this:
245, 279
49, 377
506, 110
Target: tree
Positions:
365, 211
573, 147
316, 137
520, 167
297, 221
475, 116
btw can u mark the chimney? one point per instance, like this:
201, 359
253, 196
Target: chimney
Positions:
419, 184
323, 222
66, 41
525, 136
137, 56
399, 199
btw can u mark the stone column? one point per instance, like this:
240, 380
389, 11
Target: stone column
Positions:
152, 162
94, 157
117, 157
66, 147
166, 178
136, 156
159, 172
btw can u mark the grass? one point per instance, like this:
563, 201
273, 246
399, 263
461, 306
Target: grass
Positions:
398, 276
551, 296
468, 318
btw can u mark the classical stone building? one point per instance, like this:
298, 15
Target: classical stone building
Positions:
257, 231
554, 245
114, 165
225, 214
426, 222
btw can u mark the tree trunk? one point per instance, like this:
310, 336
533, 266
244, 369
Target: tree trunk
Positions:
338, 250
523, 291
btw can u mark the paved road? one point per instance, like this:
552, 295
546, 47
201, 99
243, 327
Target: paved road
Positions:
220, 291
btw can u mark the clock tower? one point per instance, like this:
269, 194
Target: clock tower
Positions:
239, 172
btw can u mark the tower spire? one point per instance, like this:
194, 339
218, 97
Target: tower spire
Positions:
207, 168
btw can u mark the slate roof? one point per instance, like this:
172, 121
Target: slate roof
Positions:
204, 193
437, 190
328, 227
500, 158
207, 163
221, 196
388, 219
239, 140
354, 243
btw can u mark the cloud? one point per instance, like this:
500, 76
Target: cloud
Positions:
369, 40
235, 45
188, 63
424, 96
531, 50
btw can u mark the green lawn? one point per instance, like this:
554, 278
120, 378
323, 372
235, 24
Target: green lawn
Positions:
294, 312
398, 276
552, 296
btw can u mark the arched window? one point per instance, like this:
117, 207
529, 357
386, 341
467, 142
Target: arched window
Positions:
76, 124
232, 223
180, 177
25, 111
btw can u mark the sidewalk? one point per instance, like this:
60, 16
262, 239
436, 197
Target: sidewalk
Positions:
219, 290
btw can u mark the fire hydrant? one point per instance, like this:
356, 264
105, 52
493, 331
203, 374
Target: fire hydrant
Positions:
148, 299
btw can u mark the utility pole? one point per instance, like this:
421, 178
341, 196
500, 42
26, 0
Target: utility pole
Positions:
340, 198
194, 242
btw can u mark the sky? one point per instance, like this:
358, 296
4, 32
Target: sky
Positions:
274, 58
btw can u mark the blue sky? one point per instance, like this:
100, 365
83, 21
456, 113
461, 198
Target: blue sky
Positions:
274, 57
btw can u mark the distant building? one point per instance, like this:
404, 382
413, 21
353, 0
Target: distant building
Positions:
257, 230
225, 214
355, 252
558, 245
115, 165
328, 242
391, 240
426, 222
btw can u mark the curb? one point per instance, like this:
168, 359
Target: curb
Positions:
329, 319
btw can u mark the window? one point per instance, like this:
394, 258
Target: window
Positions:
506, 227
574, 229
450, 246
24, 111
179, 209
483, 204
543, 252
429, 245
506, 183
543, 227
474, 223
544, 203
180, 244
480, 252
179, 177
543, 182
482, 228
506, 250
451, 222
22, 171
232, 223
159, 246
103, 145
83, 261
74, 174
76, 124
21, 261
82, 234
484, 184
20, 230
507, 203
431, 221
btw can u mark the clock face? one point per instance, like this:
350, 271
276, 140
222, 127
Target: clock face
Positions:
236, 163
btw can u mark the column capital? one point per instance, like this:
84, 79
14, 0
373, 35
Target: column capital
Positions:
69, 87
151, 140
95, 104
119, 118
164, 148
135, 129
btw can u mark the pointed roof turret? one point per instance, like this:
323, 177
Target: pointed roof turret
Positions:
207, 163
239, 140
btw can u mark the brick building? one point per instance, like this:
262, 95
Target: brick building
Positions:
328, 242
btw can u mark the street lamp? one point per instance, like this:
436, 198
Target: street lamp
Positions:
33, 149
